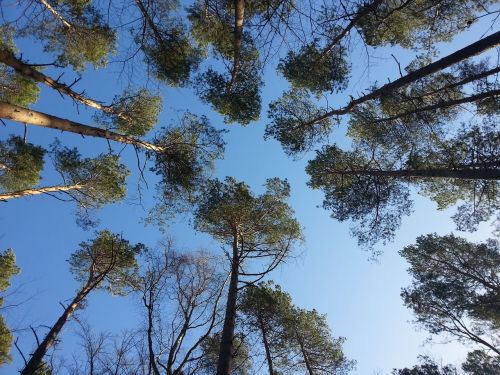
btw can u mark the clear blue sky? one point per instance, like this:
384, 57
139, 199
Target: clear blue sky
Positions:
331, 274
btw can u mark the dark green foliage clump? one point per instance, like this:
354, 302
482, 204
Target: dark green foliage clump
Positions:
419, 23
316, 70
480, 363
427, 366
78, 34
456, 287
290, 116
8, 269
14, 88
101, 179
191, 149
242, 361
376, 203
241, 102
173, 57
108, 260
139, 110
20, 164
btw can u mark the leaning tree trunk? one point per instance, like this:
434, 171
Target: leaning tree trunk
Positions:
8, 58
461, 174
37, 191
269, 358
27, 116
37, 357
304, 354
471, 50
226, 350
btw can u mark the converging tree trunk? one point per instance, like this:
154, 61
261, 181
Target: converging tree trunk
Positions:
36, 359
459, 173
27, 116
37, 191
239, 15
226, 351
265, 341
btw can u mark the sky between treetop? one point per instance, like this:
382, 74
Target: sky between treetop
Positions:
330, 274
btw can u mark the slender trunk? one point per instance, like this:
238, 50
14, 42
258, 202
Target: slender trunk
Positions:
26, 116
239, 15
151, 354
37, 191
226, 350
463, 174
473, 49
27, 70
441, 105
304, 354
37, 357
266, 346
56, 14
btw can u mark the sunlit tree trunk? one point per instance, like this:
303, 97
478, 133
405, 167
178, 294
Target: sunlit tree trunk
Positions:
37, 191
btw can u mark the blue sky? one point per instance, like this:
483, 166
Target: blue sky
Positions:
330, 273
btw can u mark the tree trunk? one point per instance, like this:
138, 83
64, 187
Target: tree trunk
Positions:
27, 70
26, 116
37, 357
266, 346
304, 354
226, 351
37, 191
463, 174
56, 14
473, 49
151, 355
239, 14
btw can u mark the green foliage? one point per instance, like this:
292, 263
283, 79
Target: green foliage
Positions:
374, 203
210, 350
480, 363
455, 287
20, 164
326, 71
101, 179
78, 36
419, 23
265, 222
317, 349
191, 149
8, 269
290, 116
107, 262
173, 57
140, 109
427, 367
241, 103
14, 88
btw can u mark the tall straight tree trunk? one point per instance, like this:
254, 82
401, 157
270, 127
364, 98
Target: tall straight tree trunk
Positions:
239, 15
473, 49
226, 350
37, 191
56, 14
461, 174
151, 354
8, 58
36, 358
304, 354
27, 116
269, 358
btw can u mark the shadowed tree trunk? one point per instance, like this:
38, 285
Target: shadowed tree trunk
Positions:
49, 340
239, 14
464, 173
473, 49
266, 345
226, 351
